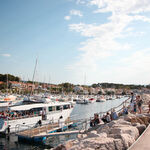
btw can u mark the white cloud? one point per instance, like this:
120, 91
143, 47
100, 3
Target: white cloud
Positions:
73, 12
76, 13
102, 39
122, 6
80, 1
67, 17
5, 55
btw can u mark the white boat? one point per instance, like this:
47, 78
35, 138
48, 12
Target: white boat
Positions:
25, 116
82, 101
92, 100
101, 99
6, 101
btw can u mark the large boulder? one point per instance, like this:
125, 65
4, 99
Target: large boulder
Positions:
127, 140
122, 129
96, 143
123, 122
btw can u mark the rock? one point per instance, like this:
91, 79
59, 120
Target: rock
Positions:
105, 129
136, 120
132, 131
118, 144
99, 143
127, 140
145, 119
112, 123
123, 122
103, 135
129, 117
60, 147
141, 128
92, 134
68, 144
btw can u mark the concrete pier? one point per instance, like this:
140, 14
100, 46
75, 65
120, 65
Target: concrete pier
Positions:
143, 142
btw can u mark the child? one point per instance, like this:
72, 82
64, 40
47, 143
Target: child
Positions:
134, 107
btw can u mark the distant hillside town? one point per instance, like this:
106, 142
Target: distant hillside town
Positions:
13, 84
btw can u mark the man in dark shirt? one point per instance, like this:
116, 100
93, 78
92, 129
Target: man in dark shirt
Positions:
95, 121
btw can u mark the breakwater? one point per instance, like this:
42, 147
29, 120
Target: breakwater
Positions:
117, 135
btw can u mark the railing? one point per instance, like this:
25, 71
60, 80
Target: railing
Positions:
26, 127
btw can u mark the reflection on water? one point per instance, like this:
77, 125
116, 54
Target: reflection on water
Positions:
79, 112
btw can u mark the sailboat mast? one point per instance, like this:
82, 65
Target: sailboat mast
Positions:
34, 73
84, 79
7, 83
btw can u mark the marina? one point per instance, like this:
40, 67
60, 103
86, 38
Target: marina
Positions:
79, 112
74, 75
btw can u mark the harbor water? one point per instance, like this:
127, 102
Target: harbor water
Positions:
80, 111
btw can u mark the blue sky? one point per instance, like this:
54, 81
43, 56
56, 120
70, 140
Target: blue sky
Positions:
105, 39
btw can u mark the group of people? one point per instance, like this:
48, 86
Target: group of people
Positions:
106, 118
136, 102
12, 115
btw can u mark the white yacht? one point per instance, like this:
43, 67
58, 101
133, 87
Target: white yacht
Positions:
29, 115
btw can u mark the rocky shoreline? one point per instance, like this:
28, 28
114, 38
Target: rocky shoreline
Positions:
117, 135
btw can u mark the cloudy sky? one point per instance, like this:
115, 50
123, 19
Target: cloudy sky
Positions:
104, 40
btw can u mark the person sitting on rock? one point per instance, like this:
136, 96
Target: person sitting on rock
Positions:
95, 121
125, 110
104, 119
108, 117
114, 115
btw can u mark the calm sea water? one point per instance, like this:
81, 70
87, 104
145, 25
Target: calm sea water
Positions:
79, 112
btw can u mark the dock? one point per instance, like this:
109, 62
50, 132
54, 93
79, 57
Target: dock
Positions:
41, 133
